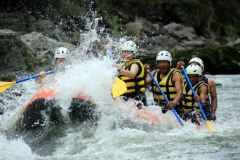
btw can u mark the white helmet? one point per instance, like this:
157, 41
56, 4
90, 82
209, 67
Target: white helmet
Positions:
198, 61
61, 52
194, 69
129, 46
164, 56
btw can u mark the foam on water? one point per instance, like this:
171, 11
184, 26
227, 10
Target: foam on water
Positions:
91, 77
14, 149
114, 138
119, 134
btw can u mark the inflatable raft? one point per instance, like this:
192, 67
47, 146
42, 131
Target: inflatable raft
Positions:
43, 107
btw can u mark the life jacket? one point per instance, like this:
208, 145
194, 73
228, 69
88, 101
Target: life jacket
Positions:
135, 86
167, 86
205, 79
44, 93
188, 103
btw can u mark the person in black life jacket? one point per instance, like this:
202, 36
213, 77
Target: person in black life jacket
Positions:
170, 81
189, 106
132, 73
211, 115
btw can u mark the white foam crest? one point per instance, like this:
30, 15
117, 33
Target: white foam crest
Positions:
14, 149
14, 107
92, 77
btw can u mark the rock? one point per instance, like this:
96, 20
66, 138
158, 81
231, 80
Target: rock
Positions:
44, 26
148, 27
142, 25
167, 42
28, 52
180, 31
42, 45
134, 28
193, 44
236, 42
6, 33
14, 55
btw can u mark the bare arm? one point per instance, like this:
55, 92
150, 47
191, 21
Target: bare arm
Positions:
213, 94
203, 94
132, 73
178, 82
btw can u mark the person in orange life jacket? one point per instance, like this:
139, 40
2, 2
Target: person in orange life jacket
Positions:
132, 72
170, 81
43, 101
212, 89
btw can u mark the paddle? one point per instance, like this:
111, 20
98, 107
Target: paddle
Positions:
119, 88
6, 85
209, 124
178, 118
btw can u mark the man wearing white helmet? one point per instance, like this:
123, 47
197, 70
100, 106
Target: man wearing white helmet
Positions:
132, 72
60, 56
211, 85
189, 107
169, 79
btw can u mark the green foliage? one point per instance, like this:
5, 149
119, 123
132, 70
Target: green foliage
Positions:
232, 31
71, 8
224, 59
206, 16
217, 59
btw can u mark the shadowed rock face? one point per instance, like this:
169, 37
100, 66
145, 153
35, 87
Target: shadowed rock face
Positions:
14, 54
181, 26
27, 52
203, 15
185, 27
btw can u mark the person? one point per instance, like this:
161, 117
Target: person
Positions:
180, 64
60, 56
148, 92
43, 102
170, 81
212, 89
189, 105
59, 62
132, 72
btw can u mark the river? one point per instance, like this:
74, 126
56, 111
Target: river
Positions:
110, 138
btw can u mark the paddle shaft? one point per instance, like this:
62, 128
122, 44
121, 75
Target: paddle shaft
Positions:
33, 77
167, 100
194, 94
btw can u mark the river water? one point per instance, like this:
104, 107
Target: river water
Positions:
117, 135
111, 138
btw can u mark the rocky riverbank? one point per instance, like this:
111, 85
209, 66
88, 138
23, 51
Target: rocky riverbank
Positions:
30, 30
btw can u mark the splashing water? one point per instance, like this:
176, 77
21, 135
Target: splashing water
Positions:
115, 137
111, 140
14, 149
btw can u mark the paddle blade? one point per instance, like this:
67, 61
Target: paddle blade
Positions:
119, 88
6, 85
210, 126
